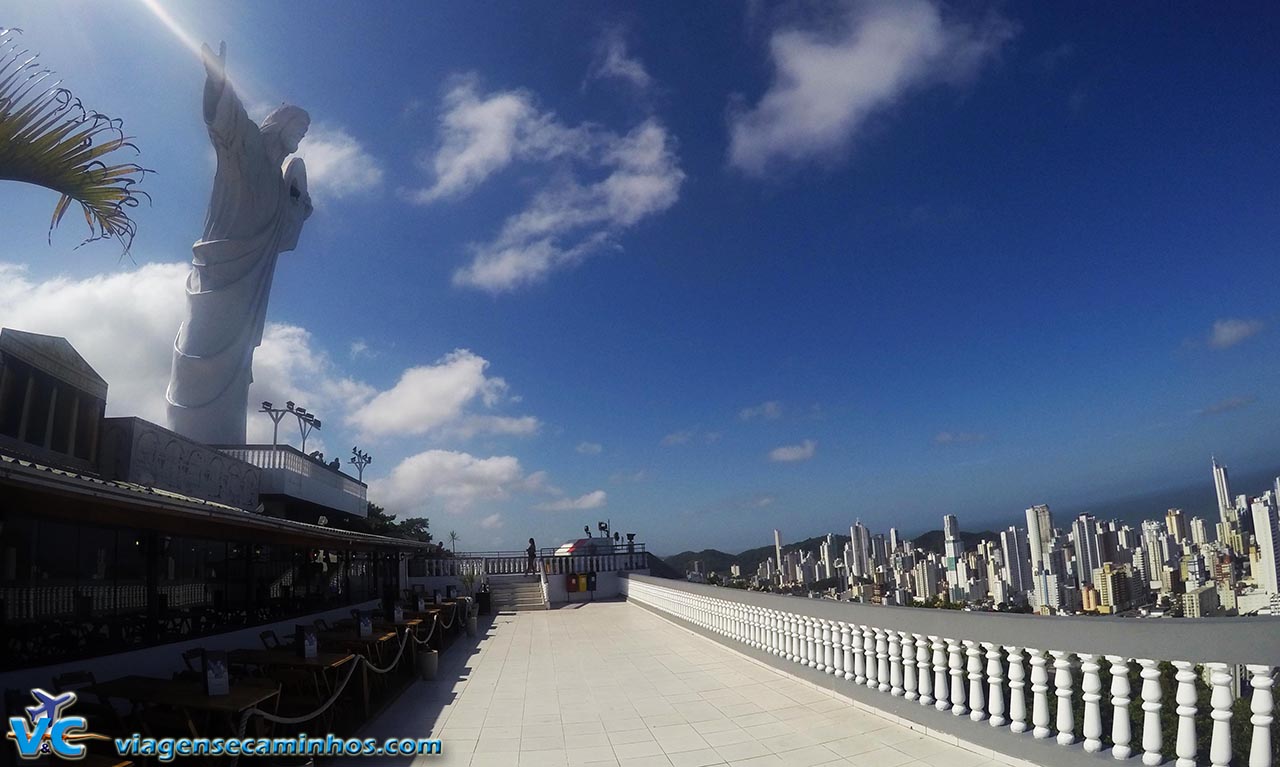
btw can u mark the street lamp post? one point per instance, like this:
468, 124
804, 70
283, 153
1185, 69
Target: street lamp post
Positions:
275, 414
360, 459
306, 421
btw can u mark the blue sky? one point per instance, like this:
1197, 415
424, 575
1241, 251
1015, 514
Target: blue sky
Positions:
707, 270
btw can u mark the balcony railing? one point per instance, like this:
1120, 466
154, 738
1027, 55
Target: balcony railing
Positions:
1002, 671
288, 471
620, 558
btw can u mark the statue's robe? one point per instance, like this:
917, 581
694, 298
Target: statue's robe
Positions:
255, 212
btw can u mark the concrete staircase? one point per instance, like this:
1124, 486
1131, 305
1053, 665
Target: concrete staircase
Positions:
516, 593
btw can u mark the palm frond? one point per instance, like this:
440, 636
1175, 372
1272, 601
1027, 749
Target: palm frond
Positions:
49, 139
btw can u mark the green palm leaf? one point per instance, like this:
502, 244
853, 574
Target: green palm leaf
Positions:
49, 139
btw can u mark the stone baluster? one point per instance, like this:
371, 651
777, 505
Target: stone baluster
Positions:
895, 664
942, 701
785, 628
977, 695
1262, 705
828, 649
813, 644
869, 649
1151, 735
1062, 682
846, 645
1185, 743
1121, 728
955, 663
1039, 694
859, 657
1091, 685
995, 685
924, 670
1017, 695
1221, 701
795, 628
882, 660
909, 690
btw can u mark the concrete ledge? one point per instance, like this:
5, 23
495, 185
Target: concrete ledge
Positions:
997, 743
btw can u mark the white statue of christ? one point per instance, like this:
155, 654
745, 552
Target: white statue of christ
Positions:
255, 213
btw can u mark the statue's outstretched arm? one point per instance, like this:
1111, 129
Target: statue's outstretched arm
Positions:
223, 112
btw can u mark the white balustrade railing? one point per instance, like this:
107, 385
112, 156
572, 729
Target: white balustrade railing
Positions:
517, 564
981, 665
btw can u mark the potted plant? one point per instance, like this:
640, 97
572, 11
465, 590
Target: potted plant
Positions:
469, 579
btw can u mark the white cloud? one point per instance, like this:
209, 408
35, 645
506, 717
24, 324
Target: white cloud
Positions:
122, 323
590, 448
569, 220
957, 437
452, 480
593, 500
603, 182
768, 411
437, 396
492, 522
337, 164
483, 134
790, 453
1229, 332
828, 84
613, 61
681, 437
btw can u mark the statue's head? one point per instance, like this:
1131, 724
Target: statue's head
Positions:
286, 124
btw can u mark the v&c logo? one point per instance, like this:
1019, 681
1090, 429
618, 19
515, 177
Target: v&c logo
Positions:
50, 732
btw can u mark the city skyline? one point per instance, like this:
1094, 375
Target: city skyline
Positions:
981, 282
1170, 566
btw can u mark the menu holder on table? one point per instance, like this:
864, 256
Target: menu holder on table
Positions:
305, 641
217, 680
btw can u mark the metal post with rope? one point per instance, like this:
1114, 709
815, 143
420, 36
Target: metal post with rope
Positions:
360, 659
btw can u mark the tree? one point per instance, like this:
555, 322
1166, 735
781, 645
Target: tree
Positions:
49, 139
412, 528
453, 541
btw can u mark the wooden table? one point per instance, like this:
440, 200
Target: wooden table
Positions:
289, 658
189, 696
370, 646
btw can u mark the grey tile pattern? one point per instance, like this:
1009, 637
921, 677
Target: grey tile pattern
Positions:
611, 684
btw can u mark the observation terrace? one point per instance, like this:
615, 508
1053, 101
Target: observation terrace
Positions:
675, 673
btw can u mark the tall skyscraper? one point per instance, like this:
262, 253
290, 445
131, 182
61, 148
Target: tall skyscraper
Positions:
1176, 523
859, 544
1267, 532
1199, 532
893, 534
1223, 488
953, 550
1040, 539
1084, 533
1017, 561
777, 548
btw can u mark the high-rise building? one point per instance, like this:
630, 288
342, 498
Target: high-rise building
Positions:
860, 544
777, 548
1040, 539
1199, 533
953, 549
1017, 561
1152, 532
1084, 534
1223, 488
1267, 533
894, 542
1176, 523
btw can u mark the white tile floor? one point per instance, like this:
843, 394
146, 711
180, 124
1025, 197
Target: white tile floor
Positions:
609, 683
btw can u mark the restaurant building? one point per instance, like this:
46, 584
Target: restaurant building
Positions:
117, 534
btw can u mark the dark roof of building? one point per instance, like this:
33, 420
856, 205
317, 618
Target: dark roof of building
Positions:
39, 477
55, 356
